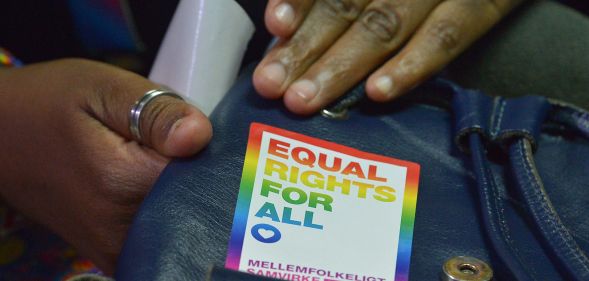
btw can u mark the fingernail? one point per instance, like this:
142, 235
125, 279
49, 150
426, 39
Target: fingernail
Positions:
285, 14
185, 137
385, 85
275, 73
305, 89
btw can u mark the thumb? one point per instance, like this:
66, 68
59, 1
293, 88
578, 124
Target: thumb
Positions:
173, 127
169, 125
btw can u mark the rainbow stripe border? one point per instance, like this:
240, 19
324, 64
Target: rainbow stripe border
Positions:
246, 188
247, 185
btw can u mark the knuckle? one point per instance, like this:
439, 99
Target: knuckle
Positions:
446, 35
108, 84
297, 56
107, 90
498, 8
345, 9
494, 4
492, 8
383, 22
159, 117
411, 65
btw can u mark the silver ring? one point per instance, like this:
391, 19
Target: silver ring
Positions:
137, 109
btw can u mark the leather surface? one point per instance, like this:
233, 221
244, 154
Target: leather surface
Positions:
564, 250
484, 122
183, 227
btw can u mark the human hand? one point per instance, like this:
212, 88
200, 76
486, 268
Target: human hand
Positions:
67, 157
328, 46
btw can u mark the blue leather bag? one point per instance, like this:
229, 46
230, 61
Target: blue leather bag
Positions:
503, 181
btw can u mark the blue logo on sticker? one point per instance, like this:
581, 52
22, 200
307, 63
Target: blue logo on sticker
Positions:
266, 233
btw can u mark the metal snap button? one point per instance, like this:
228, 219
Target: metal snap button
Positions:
463, 268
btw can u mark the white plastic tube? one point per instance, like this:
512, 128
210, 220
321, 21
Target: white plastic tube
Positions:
202, 50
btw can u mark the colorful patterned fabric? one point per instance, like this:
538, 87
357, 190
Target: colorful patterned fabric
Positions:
35, 254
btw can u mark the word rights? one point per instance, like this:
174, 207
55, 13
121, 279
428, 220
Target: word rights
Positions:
314, 210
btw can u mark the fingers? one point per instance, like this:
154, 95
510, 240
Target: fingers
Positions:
283, 17
448, 31
341, 41
381, 29
170, 126
326, 21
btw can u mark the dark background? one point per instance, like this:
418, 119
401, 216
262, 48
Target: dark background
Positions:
43, 30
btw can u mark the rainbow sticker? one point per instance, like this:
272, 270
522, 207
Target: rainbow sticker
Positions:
313, 210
